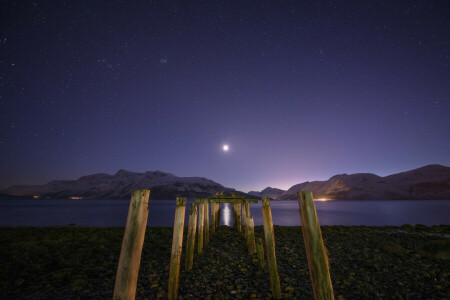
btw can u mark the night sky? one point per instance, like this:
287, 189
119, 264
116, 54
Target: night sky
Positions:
298, 91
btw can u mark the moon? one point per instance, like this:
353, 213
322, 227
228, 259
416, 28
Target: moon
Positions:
225, 148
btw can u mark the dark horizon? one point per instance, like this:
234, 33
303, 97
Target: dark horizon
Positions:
299, 91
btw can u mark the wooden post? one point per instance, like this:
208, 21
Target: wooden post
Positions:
190, 245
206, 239
315, 249
201, 223
218, 214
133, 239
251, 235
260, 252
269, 236
244, 222
247, 208
233, 209
177, 246
238, 216
213, 218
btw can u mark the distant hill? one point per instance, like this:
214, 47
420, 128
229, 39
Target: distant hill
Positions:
120, 185
272, 193
429, 182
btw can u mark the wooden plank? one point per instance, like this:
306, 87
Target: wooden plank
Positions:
190, 245
177, 246
269, 236
230, 200
226, 197
133, 239
201, 224
315, 248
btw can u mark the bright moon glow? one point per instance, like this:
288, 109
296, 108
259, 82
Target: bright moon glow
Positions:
225, 147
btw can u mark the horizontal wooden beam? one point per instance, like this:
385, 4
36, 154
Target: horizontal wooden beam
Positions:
233, 200
226, 197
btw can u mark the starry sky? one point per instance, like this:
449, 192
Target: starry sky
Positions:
299, 91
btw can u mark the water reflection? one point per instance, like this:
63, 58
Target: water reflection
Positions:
226, 214
54, 212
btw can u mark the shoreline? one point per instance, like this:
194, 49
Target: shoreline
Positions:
365, 262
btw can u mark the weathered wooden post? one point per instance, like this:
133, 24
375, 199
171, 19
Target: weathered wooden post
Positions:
247, 208
190, 245
315, 249
201, 223
269, 236
133, 239
238, 216
213, 218
233, 209
251, 235
177, 245
206, 239
260, 252
244, 222
218, 214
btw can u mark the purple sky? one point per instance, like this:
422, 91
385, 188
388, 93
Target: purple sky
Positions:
298, 91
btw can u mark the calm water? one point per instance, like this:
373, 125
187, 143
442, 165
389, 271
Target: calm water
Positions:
51, 212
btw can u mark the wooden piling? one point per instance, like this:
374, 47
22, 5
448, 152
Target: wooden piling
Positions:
238, 216
233, 210
177, 245
133, 239
269, 236
247, 208
206, 239
201, 224
190, 245
218, 214
251, 235
315, 248
244, 223
260, 252
213, 218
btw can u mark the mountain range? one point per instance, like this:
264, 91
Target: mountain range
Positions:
428, 182
122, 184
272, 193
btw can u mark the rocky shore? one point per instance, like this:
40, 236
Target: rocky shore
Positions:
365, 262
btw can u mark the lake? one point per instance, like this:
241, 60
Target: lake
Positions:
60, 212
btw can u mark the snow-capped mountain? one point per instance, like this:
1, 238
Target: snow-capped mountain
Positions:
429, 182
121, 185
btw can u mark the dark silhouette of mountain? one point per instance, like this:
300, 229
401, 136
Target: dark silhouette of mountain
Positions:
272, 193
121, 185
429, 182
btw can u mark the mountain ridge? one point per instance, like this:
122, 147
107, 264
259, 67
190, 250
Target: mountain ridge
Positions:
427, 182
431, 182
272, 193
121, 185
